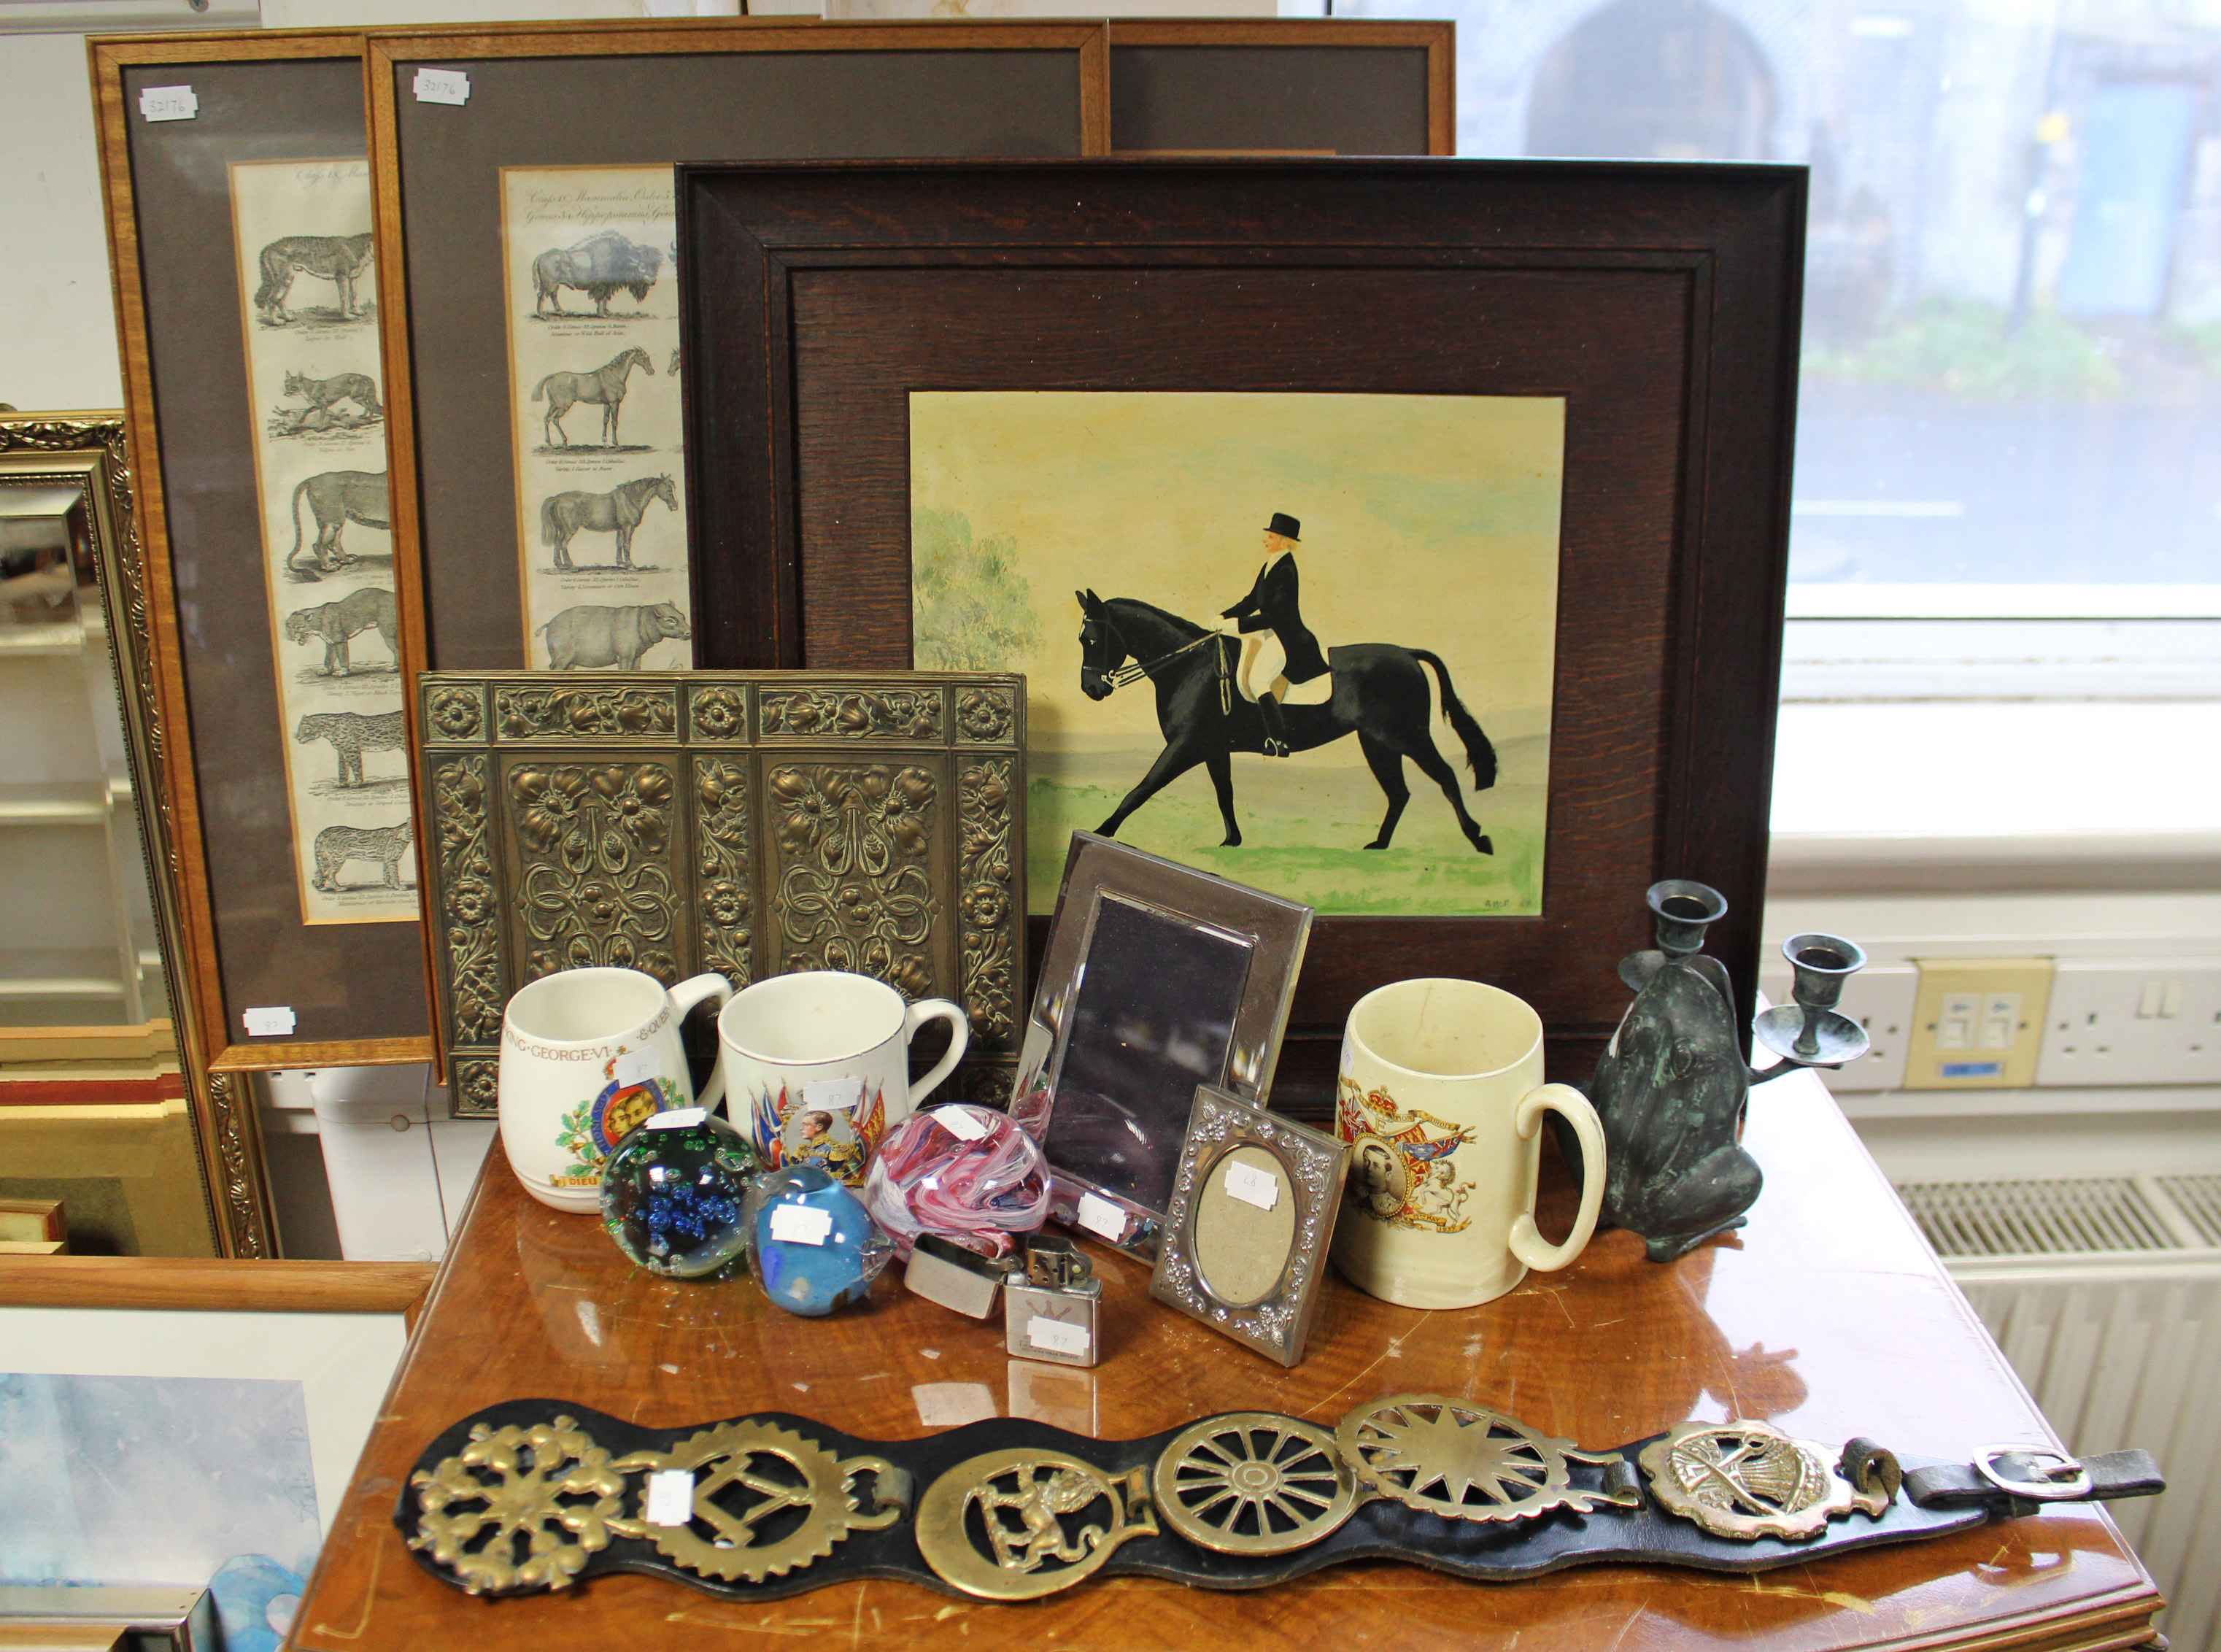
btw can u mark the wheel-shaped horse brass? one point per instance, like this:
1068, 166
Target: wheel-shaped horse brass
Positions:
1746, 1480
1463, 1461
1253, 1483
775, 1470
1021, 1499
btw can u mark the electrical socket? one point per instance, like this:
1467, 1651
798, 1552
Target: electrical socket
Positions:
1879, 997
1977, 1023
2133, 1021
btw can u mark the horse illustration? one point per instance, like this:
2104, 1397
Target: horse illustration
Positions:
337, 498
618, 511
606, 385
601, 267
1379, 695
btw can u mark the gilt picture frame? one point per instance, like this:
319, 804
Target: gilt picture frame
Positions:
1659, 301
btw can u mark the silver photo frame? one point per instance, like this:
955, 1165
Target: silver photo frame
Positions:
1252, 1214
1156, 978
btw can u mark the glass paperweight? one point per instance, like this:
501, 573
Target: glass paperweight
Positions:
962, 1173
673, 1193
812, 1246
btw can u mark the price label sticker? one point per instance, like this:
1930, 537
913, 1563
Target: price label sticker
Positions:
442, 87
838, 1094
1253, 1184
671, 1496
678, 1118
800, 1224
1055, 1335
1100, 1215
635, 1067
271, 1021
960, 1124
168, 104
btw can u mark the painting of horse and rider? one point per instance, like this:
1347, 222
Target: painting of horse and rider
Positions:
1304, 641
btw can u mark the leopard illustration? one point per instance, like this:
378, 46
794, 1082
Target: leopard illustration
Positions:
334, 624
337, 845
352, 734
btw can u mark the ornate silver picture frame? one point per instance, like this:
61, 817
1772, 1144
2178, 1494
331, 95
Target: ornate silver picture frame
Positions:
1156, 978
749, 822
1252, 1214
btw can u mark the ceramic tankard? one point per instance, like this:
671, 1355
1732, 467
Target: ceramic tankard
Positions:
819, 1065
586, 1054
1440, 1099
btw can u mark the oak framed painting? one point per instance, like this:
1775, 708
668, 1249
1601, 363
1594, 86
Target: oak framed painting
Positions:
1242, 617
1350, 430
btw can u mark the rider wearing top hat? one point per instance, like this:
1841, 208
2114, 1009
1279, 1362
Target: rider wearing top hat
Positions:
1271, 608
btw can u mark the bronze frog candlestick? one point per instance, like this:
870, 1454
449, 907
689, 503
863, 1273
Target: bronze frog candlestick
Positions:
1672, 1088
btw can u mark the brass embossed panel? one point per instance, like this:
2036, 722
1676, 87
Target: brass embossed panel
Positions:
749, 823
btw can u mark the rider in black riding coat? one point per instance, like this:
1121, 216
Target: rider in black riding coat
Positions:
1271, 608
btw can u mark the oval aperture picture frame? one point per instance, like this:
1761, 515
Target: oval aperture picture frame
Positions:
1252, 1212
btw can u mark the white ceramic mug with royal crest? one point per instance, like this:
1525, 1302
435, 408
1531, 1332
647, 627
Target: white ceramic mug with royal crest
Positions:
819, 1065
1441, 1100
586, 1054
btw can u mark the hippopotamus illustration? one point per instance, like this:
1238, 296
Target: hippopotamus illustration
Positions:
590, 636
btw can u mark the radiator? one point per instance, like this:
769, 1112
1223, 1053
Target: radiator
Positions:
2105, 1293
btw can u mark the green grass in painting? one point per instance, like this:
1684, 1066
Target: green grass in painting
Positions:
1310, 846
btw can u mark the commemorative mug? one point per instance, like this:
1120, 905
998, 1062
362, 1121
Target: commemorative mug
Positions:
586, 1054
820, 1061
1440, 1099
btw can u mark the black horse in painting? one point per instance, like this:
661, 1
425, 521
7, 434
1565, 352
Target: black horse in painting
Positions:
1379, 695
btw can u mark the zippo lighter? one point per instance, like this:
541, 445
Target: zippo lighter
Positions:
957, 1279
1050, 1309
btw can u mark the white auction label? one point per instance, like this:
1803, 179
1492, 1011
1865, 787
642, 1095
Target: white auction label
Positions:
443, 86
833, 1093
800, 1224
637, 1068
168, 104
1101, 1216
678, 1118
671, 1496
1253, 1186
1055, 1335
271, 1021
960, 1124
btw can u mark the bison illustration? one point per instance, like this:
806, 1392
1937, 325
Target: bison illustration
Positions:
600, 266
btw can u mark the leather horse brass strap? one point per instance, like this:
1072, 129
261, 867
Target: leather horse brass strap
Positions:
539, 1494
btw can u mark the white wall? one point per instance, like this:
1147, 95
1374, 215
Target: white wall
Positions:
57, 313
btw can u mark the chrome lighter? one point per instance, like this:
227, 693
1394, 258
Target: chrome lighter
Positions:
942, 1271
1051, 1307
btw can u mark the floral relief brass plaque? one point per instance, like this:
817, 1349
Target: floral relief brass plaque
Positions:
749, 822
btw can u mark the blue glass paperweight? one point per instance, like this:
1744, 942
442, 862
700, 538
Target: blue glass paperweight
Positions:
673, 1193
813, 1246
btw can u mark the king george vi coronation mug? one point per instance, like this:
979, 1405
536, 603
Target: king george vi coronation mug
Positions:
586, 1054
820, 1062
1441, 1100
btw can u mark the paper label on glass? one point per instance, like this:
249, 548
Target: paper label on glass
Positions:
960, 1124
1100, 1215
309, 311
1253, 1184
591, 292
443, 86
800, 1224
1056, 1336
670, 1497
169, 103
678, 1119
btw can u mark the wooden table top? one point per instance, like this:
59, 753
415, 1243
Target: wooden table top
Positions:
1827, 1315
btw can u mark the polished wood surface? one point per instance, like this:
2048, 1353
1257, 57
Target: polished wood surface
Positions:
1827, 1315
212, 1283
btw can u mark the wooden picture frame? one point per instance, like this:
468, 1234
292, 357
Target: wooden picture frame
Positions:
355, 991
1285, 86
1661, 302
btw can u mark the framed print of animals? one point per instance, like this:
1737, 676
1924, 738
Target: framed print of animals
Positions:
249, 298
528, 249
1492, 458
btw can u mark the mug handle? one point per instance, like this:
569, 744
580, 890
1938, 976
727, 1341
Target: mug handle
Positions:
960, 1037
684, 997
1527, 1242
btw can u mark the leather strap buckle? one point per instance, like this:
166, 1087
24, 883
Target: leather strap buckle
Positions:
2064, 1479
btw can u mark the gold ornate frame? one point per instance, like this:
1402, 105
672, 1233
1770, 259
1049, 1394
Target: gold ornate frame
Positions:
89, 450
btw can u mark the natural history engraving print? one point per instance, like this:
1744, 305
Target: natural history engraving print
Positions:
593, 382
1305, 641
308, 307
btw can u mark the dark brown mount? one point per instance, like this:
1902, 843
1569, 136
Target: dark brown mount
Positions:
1660, 300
